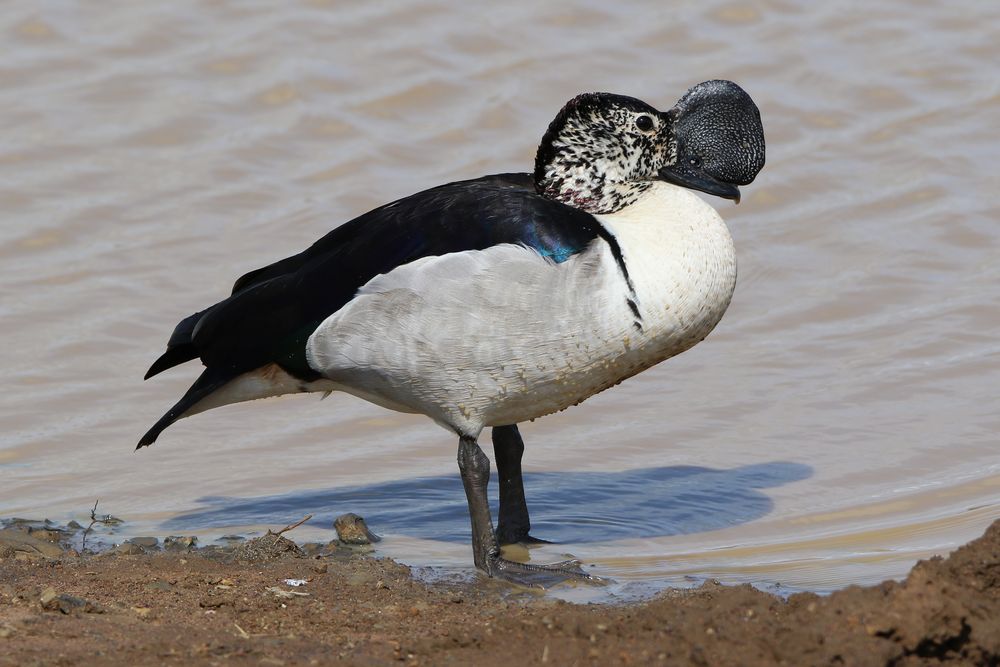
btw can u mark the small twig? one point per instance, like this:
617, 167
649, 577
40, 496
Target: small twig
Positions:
243, 633
108, 520
292, 526
93, 520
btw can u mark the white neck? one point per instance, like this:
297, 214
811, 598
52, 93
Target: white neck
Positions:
681, 262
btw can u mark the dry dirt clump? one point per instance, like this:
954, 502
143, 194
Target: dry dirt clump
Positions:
266, 548
276, 606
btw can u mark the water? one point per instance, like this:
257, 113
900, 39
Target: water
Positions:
840, 423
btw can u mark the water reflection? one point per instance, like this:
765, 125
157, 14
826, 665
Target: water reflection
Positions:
571, 506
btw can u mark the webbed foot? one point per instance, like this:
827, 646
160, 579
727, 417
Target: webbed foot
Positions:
530, 575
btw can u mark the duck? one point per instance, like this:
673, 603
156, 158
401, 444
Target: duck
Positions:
489, 302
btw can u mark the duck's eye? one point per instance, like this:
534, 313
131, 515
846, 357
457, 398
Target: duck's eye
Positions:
694, 161
644, 123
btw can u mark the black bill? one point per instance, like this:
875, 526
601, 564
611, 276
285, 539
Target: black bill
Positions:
719, 140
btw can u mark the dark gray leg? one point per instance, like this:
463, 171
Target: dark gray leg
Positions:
512, 523
475, 468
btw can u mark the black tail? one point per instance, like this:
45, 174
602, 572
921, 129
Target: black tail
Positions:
174, 356
209, 381
180, 347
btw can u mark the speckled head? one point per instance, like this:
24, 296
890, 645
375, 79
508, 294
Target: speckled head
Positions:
603, 150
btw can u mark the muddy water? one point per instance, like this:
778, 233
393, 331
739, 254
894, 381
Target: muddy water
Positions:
841, 422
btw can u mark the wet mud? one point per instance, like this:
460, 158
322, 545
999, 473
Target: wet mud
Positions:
274, 602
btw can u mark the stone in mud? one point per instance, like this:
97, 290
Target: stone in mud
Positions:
146, 542
27, 545
352, 529
47, 534
175, 543
313, 549
67, 604
129, 549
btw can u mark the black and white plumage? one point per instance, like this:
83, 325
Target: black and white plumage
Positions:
491, 301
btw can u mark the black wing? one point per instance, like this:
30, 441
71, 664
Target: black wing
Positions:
273, 310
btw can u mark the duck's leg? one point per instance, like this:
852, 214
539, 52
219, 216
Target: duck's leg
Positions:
475, 468
512, 523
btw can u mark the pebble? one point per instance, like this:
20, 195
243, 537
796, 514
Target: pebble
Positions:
146, 542
52, 601
159, 586
213, 603
129, 549
175, 543
352, 529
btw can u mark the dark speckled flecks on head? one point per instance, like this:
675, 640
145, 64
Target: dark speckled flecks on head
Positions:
602, 151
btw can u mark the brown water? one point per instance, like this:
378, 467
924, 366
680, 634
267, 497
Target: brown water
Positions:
840, 424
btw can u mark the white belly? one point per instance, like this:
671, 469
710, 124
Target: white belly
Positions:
499, 336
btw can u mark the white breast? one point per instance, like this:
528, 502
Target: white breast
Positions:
499, 336
681, 262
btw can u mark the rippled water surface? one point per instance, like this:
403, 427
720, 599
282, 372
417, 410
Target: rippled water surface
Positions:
839, 424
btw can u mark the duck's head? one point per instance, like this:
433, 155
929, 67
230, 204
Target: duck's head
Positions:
603, 151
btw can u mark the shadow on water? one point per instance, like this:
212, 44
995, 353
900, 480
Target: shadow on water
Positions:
565, 506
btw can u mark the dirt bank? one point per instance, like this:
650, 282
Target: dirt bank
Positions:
279, 606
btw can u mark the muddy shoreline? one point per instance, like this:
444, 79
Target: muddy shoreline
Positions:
270, 601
